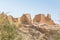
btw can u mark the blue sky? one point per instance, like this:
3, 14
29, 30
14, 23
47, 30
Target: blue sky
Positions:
17, 8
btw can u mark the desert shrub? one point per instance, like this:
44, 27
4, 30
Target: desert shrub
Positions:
7, 31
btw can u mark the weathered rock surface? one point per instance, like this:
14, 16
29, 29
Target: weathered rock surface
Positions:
42, 19
26, 19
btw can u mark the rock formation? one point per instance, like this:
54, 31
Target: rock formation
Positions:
49, 20
49, 16
42, 19
36, 32
25, 19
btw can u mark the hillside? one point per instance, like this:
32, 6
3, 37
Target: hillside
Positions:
41, 27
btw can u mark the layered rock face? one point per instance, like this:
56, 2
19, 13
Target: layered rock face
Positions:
42, 19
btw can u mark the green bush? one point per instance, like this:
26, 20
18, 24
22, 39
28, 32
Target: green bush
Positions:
7, 31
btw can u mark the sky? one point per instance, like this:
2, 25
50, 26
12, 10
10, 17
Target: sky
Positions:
17, 8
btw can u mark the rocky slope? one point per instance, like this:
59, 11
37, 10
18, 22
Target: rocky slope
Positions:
41, 27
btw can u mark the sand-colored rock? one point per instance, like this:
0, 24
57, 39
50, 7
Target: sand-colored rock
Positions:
25, 19
49, 16
42, 19
49, 20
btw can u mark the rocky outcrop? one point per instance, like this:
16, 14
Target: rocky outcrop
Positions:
42, 19
25, 19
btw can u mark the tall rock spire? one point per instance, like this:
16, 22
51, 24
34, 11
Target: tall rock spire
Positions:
49, 16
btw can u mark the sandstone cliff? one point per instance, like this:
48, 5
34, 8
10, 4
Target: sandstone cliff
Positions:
42, 19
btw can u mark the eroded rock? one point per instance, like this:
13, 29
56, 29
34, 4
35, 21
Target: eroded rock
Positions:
26, 19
